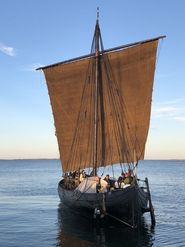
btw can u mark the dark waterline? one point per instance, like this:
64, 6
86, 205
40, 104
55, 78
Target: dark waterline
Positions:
31, 213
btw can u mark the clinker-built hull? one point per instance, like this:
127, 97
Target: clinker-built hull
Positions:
127, 202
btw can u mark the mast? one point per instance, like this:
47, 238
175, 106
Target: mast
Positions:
97, 36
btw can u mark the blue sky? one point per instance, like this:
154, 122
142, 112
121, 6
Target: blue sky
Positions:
34, 33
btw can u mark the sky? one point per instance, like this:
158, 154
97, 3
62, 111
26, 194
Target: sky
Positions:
35, 33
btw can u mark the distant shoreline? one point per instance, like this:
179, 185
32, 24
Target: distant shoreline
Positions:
59, 159
32, 159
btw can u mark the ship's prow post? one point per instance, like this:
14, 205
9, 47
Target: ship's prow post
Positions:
151, 209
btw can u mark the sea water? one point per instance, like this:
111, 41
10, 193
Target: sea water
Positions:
31, 213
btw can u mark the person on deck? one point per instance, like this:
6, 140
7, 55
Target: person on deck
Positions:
82, 176
128, 177
107, 179
123, 175
129, 173
119, 183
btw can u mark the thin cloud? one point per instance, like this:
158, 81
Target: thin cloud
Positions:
164, 111
173, 109
180, 119
172, 102
10, 51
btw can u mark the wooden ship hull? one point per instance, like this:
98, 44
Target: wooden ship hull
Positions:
125, 204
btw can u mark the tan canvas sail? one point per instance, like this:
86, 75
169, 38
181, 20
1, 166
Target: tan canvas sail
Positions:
124, 104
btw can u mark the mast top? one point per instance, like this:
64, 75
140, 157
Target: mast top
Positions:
97, 17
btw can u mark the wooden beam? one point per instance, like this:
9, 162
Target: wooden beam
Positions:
105, 51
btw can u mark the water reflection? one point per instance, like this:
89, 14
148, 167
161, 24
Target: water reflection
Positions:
76, 230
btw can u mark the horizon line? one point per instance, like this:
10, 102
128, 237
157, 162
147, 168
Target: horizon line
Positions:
8, 159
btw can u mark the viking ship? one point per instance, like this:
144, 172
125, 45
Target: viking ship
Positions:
101, 104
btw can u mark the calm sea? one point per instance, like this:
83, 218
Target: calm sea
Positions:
31, 213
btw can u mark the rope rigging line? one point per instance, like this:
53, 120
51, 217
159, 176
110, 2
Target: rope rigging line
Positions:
124, 126
115, 109
118, 131
76, 137
108, 95
116, 106
90, 132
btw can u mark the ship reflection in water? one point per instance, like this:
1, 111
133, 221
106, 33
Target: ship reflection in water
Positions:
77, 230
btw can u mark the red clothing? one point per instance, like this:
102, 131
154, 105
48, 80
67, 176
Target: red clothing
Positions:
128, 174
